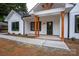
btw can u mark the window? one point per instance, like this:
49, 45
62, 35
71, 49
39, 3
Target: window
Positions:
32, 26
15, 26
77, 23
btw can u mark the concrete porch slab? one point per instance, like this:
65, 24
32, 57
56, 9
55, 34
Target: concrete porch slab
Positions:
49, 43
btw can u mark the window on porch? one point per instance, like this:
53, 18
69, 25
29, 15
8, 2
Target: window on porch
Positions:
77, 23
32, 27
15, 26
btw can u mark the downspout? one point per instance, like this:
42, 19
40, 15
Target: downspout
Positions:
68, 25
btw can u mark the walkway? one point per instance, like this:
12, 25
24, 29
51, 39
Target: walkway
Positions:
49, 43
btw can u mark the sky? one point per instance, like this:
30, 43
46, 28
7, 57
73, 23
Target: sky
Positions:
30, 5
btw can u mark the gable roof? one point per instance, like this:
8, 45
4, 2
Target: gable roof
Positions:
18, 12
75, 8
10, 14
40, 3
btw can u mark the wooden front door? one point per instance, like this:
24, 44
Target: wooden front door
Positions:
49, 28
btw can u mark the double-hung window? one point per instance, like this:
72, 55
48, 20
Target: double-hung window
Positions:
77, 23
15, 26
32, 27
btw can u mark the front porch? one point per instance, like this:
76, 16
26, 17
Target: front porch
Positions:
57, 25
52, 26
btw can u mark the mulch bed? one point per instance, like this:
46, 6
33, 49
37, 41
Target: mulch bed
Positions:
26, 36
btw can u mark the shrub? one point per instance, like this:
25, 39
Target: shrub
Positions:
73, 38
13, 33
8, 33
19, 34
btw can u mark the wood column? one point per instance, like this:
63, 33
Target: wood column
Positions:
35, 25
38, 27
62, 26
36, 19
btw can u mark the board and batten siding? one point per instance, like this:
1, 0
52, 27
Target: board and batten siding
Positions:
15, 18
73, 12
65, 26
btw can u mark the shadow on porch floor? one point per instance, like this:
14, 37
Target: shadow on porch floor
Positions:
49, 37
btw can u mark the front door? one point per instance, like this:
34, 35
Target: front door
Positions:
49, 28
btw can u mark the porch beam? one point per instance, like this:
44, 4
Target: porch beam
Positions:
62, 26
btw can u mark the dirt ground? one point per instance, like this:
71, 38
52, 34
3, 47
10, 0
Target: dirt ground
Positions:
12, 48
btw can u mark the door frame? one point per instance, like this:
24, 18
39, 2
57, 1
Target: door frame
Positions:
51, 27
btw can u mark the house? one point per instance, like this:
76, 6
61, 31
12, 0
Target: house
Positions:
51, 19
15, 22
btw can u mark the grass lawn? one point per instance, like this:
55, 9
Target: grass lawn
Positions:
12, 48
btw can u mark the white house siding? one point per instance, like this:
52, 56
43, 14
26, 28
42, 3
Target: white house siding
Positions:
74, 11
56, 25
14, 18
44, 20
27, 26
66, 26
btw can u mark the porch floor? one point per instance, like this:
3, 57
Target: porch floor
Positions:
46, 37
49, 37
